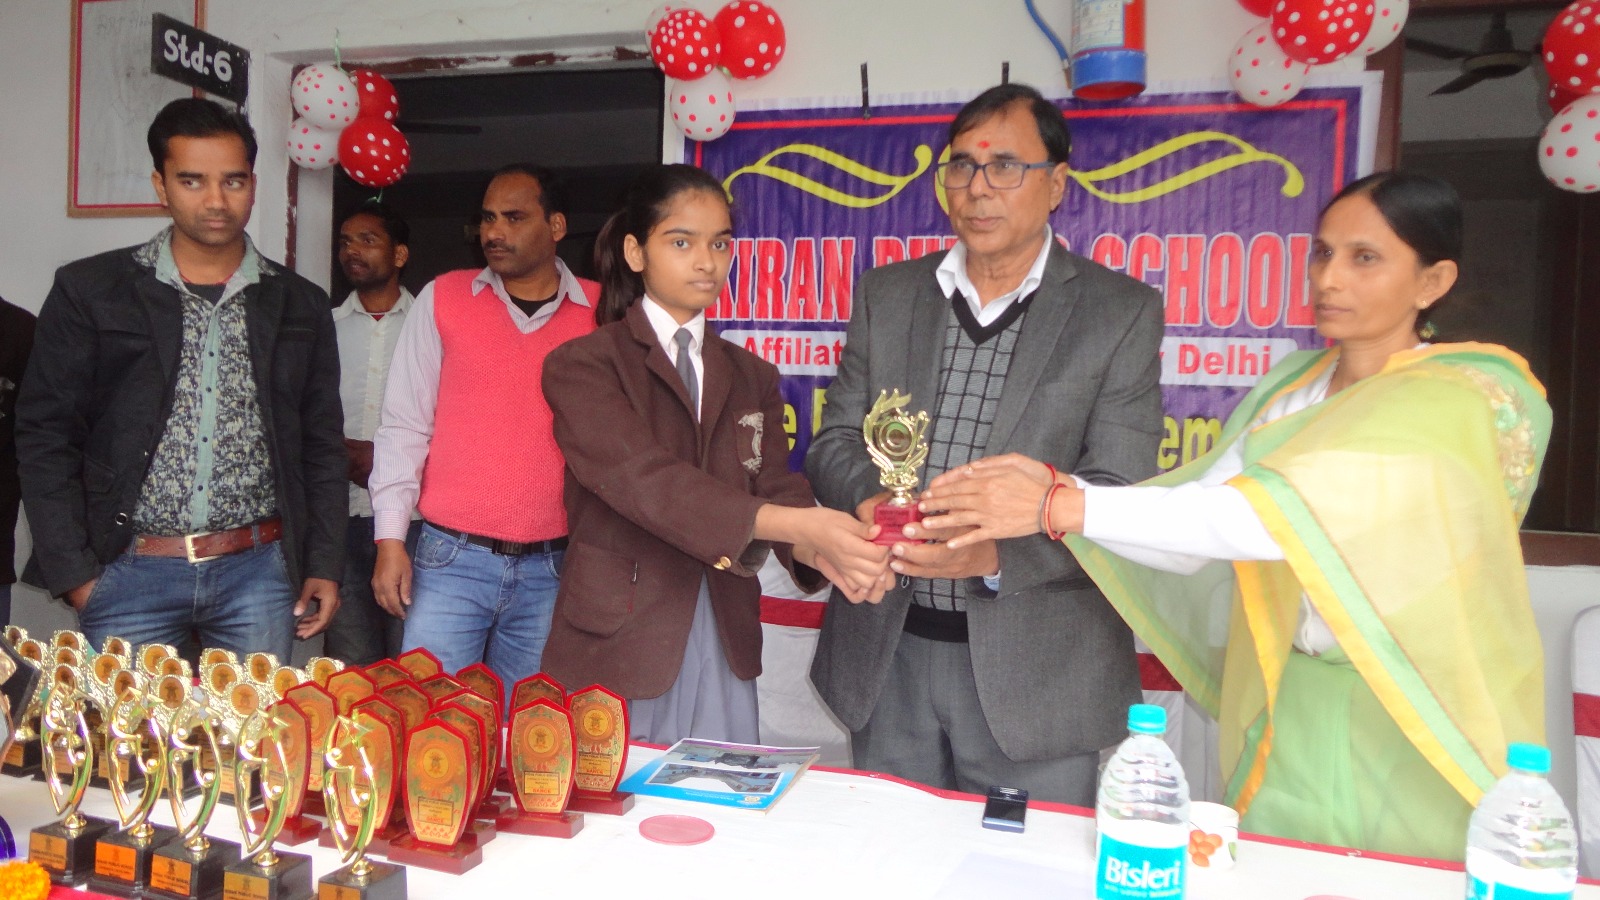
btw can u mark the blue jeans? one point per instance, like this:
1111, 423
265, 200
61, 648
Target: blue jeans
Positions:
241, 602
362, 632
469, 605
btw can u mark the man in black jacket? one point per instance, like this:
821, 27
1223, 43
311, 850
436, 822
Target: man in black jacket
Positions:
16, 340
179, 432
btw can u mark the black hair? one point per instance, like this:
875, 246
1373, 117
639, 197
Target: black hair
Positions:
395, 225
196, 117
643, 207
1052, 125
552, 189
1423, 211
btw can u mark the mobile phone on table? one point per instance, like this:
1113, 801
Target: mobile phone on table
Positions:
1005, 809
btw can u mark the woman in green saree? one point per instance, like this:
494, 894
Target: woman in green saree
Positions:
1339, 580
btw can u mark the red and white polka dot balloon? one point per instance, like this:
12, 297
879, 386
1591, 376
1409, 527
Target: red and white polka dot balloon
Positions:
1389, 18
374, 152
655, 17
1261, 72
702, 109
686, 45
1569, 149
752, 38
324, 96
1262, 8
1572, 48
1321, 31
378, 98
1559, 99
311, 147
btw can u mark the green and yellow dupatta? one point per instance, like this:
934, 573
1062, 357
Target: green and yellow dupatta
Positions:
1397, 503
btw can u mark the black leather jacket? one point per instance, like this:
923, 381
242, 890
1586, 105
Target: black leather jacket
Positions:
99, 389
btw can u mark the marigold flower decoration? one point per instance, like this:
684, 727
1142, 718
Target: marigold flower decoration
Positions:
23, 881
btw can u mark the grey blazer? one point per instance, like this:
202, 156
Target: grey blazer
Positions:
1054, 663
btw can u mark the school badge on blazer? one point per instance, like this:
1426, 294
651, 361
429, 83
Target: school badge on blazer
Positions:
755, 422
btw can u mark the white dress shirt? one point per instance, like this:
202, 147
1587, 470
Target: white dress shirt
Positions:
366, 346
952, 275
1180, 529
665, 327
413, 394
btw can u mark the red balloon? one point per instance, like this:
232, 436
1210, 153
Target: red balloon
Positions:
686, 45
374, 152
1572, 48
1560, 99
1262, 8
378, 97
752, 38
1321, 31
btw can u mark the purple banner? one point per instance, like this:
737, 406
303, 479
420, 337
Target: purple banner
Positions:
1209, 200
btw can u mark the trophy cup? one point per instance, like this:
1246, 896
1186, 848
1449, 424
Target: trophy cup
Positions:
440, 788
321, 668
265, 765
217, 683
543, 755
348, 688
600, 724
352, 794
286, 679
896, 442
191, 867
476, 731
297, 746
18, 681
151, 657
318, 707
136, 741
108, 679
373, 781
387, 722
259, 667
25, 691
65, 849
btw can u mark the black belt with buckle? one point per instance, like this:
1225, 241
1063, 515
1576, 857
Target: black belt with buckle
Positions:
947, 625
506, 548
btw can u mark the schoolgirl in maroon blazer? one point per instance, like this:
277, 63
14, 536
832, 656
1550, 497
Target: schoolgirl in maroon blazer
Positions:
677, 481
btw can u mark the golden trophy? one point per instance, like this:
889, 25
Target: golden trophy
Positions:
351, 793
192, 866
264, 766
136, 742
18, 681
896, 441
322, 668
25, 694
65, 849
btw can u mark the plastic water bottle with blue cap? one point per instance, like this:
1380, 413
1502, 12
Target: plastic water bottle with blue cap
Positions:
1142, 815
1521, 844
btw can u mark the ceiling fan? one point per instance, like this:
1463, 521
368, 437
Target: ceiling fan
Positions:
1496, 56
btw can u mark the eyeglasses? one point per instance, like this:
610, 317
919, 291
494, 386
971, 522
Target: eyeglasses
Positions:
1002, 174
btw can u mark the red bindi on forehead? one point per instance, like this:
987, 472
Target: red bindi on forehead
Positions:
983, 145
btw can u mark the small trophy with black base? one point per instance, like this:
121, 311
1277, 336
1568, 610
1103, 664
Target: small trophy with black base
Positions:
137, 743
65, 849
191, 868
264, 766
350, 793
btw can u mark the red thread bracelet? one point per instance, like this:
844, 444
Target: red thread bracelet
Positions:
1044, 518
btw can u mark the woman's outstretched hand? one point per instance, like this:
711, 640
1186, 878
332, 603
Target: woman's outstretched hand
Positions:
995, 497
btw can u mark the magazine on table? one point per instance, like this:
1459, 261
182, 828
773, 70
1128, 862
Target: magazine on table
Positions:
746, 776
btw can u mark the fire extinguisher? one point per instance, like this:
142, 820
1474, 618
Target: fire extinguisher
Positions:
1107, 60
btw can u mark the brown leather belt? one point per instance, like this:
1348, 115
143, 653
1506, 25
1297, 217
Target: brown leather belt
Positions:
200, 547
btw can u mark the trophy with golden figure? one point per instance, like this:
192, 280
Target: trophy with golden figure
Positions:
18, 681
65, 849
136, 741
25, 692
352, 793
265, 766
897, 443
192, 867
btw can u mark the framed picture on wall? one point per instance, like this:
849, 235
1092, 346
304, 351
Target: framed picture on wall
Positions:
113, 98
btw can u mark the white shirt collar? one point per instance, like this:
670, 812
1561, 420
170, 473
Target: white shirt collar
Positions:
352, 305
665, 326
952, 276
570, 289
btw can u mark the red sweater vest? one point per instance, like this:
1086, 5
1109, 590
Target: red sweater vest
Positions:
493, 466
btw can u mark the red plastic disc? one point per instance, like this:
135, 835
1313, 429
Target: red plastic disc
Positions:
676, 830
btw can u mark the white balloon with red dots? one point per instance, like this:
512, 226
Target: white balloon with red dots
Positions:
685, 44
1261, 72
1571, 48
1569, 149
753, 38
1321, 31
702, 109
311, 147
1390, 16
325, 96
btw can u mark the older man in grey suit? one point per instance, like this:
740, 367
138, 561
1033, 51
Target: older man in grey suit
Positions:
998, 664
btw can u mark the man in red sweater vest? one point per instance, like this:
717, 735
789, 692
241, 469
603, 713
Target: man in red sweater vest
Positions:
466, 439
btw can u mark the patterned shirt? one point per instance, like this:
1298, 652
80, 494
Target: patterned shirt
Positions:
212, 468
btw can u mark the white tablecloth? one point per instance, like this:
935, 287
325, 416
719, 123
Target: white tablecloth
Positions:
836, 835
